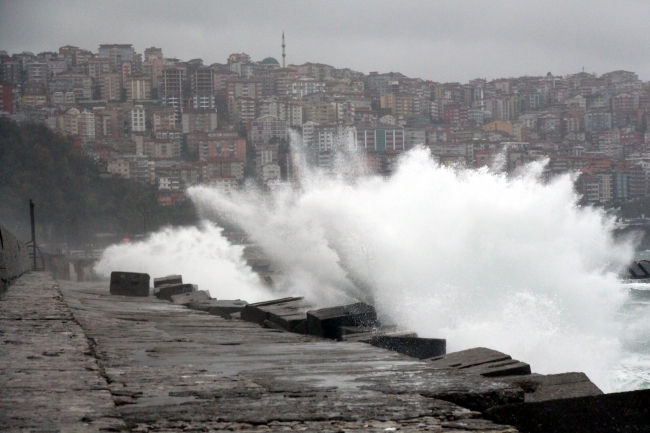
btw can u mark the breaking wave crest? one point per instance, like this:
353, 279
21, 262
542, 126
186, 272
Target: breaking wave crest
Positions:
474, 256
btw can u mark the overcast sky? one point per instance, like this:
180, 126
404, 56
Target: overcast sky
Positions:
455, 40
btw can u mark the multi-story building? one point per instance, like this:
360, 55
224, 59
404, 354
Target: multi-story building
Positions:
401, 104
34, 100
202, 86
455, 114
157, 148
10, 72
137, 88
37, 71
202, 81
171, 86
110, 87
265, 129
117, 54
198, 120
96, 67
119, 167
7, 98
86, 124
219, 79
597, 121
81, 85
321, 112
203, 101
241, 88
381, 138
288, 110
226, 148
152, 53
301, 87
242, 109
414, 137
138, 120
164, 119
623, 102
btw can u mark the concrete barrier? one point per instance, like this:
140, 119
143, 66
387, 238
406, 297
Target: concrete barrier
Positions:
166, 291
129, 284
14, 258
326, 321
617, 412
540, 387
226, 308
639, 270
483, 361
414, 347
258, 312
188, 298
169, 279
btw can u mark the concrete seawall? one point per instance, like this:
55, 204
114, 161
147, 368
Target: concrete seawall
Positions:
14, 258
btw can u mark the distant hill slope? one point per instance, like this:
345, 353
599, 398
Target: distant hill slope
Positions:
72, 201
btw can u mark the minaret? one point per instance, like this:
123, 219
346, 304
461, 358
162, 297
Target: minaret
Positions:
283, 54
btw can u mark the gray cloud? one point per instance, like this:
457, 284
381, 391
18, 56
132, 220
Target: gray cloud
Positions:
439, 40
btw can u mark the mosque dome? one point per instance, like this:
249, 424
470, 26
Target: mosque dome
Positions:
270, 61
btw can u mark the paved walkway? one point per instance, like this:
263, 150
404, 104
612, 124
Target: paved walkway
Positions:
49, 377
151, 366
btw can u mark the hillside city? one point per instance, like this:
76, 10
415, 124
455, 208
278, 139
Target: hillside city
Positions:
174, 123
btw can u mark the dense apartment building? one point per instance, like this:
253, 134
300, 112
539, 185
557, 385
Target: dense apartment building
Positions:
135, 111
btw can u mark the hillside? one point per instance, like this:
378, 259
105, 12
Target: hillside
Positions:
73, 202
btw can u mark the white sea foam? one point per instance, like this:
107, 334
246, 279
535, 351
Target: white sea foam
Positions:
200, 254
473, 256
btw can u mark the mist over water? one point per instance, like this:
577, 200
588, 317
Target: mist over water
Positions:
474, 256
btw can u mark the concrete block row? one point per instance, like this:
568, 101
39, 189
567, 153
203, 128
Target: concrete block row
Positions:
639, 269
129, 284
354, 322
169, 288
492, 363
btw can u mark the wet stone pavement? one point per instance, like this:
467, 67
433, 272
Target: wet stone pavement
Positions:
75, 358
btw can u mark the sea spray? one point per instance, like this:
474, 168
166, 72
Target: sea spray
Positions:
474, 256
201, 254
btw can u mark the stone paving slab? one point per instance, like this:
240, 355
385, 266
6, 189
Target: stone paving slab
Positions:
170, 368
49, 377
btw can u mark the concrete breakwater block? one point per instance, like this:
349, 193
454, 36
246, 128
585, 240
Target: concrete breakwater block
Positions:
639, 269
415, 347
617, 412
362, 334
483, 361
469, 358
129, 284
510, 367
326, 321
258, 312
188, 298
226, 308
204, 305
540, 387
168, 290
169, 279
290, 316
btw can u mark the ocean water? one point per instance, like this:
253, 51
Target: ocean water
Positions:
478, 257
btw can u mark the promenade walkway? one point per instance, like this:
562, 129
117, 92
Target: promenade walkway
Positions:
75, 358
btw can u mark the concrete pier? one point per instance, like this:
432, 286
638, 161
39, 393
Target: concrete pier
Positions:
75, 358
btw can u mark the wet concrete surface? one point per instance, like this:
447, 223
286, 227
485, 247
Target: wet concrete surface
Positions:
162, 367
49, 378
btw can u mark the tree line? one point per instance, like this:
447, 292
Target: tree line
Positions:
73, 202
